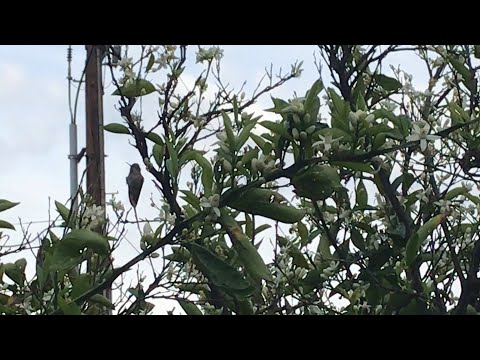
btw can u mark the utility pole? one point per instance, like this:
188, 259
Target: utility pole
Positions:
95, 152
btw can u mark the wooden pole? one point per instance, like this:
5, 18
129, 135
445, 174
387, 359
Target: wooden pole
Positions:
95, 152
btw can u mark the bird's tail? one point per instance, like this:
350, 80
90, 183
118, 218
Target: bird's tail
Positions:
136, 220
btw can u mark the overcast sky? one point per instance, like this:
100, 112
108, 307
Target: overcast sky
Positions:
35, 117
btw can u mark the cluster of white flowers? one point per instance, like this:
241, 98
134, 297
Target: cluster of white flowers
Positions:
297, 69
126, 65
199, 122
374, 242
209, 54
444, 205
117, 206
213, 202
27, 305
264, 164
191, 270
389, 105
362, 307
166, 215
93, 216
330, 269
424, 194
295, 107
359, 115
326, 143
421, 132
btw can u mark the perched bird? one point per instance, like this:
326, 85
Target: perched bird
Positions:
135, 183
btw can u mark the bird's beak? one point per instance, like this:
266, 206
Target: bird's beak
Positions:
128, 164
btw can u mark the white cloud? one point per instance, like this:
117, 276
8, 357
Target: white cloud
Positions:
13, 81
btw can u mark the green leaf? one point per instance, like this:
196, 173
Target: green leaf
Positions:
462, 191
207, 173
248, 226
257, 202
317, 182
151, 61
69, 308
388, 83
155, 138
261, 228
173, 157
247, 253
276, 128
416, 241
5, 205
192, 199
335, 133
245, 307
15, 273
235, 110
297, 258
312, 280
471, 310
21, 264
361, 195
312, 101
189, 307
229, 130
80, 285
62, 210
454, 193
80, 239
6, 225
244, 135
361, 105
158, 152
365, 227
461, 69
138, 293
135, 88
102, 300
116, 128
414, 308
477, 51
279, 105
258, 140
338, 103
324, 253
218, 271
379, 140
249, 155
357, 239
303, 232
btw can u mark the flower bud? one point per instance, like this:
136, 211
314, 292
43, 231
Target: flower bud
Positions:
227, 167
361, 114
370, 118
296, 119
311, 129
295, 134
353, 117
307, 118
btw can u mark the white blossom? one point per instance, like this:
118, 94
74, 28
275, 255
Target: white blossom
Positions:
420, 133
212, 202
326, 142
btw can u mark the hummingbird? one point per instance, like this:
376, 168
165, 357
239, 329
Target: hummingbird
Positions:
135, 183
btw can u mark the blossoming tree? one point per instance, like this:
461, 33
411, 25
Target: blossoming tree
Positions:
361, 198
